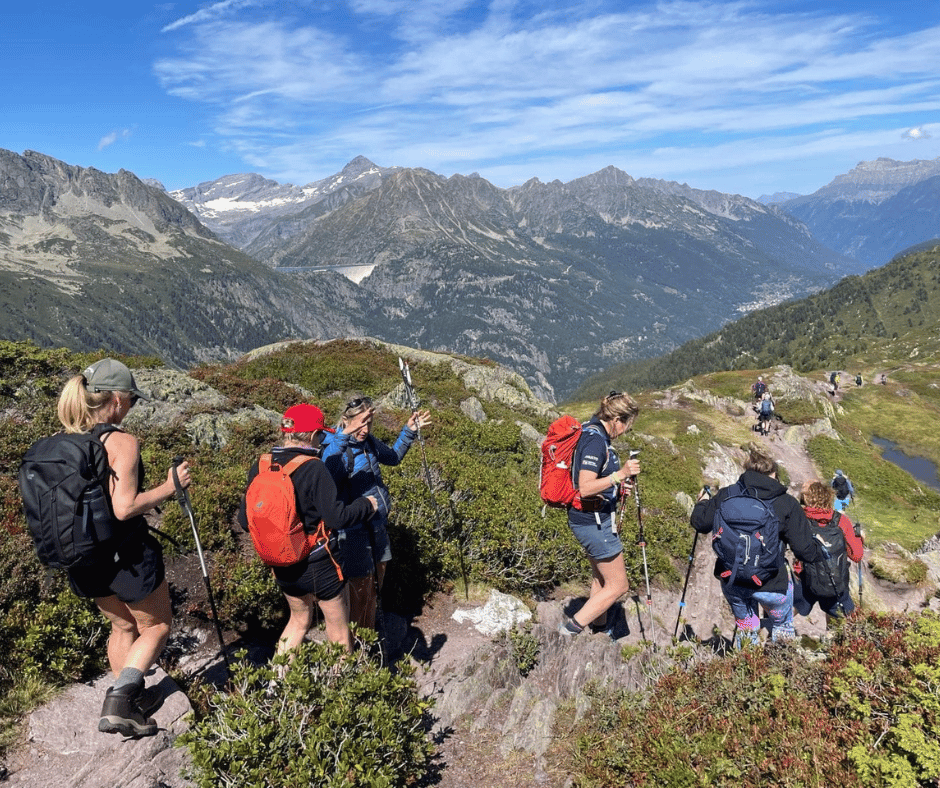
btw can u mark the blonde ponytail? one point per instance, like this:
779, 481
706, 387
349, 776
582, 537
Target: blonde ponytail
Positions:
78, 407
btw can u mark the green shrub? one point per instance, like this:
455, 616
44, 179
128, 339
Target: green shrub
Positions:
58, 640
333, 720
246, 594
525, 648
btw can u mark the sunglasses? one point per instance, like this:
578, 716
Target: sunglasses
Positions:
358, 402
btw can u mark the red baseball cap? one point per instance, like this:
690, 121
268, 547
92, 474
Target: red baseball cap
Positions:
304, 418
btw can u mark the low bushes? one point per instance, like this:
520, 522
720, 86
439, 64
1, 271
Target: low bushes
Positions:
332, 721
868, 716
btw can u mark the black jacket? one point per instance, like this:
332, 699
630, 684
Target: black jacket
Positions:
315, 493
795, 529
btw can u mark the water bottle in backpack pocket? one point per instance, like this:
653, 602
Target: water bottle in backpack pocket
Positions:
746, 537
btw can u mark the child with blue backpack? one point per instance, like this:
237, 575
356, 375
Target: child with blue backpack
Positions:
763, 579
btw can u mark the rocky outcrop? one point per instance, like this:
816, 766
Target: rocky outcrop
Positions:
491, 382
64, 746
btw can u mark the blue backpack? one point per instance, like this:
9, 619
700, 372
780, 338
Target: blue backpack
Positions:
746, 537
766, 407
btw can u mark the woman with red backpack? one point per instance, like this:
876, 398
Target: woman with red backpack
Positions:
599, 477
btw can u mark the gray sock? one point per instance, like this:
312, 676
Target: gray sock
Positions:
130, 677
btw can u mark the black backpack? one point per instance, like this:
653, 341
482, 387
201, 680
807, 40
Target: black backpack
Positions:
829, 577
63, 480
841, 485
746, 537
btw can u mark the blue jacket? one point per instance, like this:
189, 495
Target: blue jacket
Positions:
354, 466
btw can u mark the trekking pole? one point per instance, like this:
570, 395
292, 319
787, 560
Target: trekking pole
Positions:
861, 535
685, 587
413, 405
182, 496
379, 612
688, 572
641, 540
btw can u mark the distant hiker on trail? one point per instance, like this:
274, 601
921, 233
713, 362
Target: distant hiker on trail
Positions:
314, 579
884, 379
600, 477
827, 582
354, 457
758, 389
858, 378
765, 413
845, 492
834, 382
735, 515
128, 583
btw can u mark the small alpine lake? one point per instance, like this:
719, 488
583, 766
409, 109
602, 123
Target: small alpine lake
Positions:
920, 468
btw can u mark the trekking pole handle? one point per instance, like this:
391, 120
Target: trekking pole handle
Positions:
409, 386
181, 495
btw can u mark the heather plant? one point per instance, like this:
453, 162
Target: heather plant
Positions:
884, 676
869, 715
333, 720
751, 719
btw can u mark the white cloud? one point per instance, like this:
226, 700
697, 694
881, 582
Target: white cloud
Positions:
109, 139
917, 133
210, 13
468, 85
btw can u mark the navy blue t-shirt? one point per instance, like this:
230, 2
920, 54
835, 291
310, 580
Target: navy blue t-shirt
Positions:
594, 454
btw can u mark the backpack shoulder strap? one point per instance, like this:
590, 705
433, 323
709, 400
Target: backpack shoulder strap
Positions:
296, 462
102, 431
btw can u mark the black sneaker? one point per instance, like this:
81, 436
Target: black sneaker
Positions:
121, 714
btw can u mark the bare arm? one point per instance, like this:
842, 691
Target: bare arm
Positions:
123, 453
589, 483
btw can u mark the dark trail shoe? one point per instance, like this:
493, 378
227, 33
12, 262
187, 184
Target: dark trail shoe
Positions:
121, 714
149, 699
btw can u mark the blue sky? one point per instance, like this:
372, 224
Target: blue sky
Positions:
741, 97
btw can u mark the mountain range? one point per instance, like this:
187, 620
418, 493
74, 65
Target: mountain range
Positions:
874, 211
556, 280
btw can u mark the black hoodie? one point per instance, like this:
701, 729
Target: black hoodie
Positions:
795, 529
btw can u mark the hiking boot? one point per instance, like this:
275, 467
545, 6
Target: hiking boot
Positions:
568, 627
609, 626
121, 714
149, 699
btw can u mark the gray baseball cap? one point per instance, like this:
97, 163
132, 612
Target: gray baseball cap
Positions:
108, 374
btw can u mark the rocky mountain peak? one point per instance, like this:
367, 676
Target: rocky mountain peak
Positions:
876, 181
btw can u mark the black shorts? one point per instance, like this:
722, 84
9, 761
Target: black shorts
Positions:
317, 574
136, 571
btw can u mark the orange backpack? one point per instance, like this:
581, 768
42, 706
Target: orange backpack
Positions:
271, 507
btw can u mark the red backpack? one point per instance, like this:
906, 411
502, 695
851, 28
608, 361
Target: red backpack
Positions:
271, 507
556, 485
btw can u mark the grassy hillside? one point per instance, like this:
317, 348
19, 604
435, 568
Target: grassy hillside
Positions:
864, 321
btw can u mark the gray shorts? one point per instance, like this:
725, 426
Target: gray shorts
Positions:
598, 540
